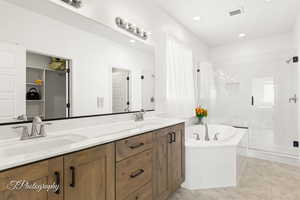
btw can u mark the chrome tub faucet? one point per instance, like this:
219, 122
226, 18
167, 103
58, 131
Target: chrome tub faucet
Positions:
206, 132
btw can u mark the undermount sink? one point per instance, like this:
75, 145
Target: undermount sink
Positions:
39, 145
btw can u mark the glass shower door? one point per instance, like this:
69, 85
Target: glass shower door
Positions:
273, 125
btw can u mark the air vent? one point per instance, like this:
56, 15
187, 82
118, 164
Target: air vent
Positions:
236, 12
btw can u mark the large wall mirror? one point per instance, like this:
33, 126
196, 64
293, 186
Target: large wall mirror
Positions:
54, 70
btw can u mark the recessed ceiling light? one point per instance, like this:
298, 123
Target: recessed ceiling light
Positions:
196, 18
132, 41
268, 1
242, 35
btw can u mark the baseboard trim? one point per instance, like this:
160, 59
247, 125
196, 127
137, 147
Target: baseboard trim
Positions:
274, 157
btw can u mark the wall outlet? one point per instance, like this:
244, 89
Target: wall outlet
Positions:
296, 144
100, 102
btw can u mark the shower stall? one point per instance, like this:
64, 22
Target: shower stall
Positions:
273, 124
260, 93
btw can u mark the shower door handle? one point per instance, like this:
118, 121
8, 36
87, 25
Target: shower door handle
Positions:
252, 101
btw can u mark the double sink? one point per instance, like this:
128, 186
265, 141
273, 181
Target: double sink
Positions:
62, 140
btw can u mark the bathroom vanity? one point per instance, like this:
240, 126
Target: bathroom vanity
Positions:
148, 165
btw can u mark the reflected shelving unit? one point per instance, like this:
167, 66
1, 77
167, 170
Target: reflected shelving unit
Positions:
35, 107
38, 107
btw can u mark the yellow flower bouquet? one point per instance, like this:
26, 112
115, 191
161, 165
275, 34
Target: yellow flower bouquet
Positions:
201, 113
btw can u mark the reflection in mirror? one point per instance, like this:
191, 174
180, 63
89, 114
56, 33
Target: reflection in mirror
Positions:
148, 82
120, 90
46, 86
53, 69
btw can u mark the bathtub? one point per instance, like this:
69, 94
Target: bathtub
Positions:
214, 163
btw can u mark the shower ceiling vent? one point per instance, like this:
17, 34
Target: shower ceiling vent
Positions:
236, 12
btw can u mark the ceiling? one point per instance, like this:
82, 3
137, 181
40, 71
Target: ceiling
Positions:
215, 27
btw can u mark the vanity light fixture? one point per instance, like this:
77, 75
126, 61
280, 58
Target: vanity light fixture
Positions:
74, 3
131, 28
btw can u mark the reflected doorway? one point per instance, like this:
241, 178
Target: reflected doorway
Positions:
121, 96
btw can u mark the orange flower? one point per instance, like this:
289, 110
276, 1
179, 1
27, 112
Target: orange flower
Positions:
201, 112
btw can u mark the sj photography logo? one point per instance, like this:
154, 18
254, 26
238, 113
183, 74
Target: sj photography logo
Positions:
25, 185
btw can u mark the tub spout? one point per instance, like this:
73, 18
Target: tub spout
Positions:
206, 132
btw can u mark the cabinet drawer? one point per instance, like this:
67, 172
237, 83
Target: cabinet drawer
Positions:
133, 173
145, 193
133, 145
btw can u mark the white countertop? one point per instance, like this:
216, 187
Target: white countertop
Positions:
14, 152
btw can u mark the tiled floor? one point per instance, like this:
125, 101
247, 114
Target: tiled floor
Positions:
261, 180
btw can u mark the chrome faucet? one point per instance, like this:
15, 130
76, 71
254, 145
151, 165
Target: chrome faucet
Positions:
36, 123
197, 136
206, 132
139, 116
37, 129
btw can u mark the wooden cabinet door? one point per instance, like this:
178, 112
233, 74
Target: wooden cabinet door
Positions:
162, 174
44, 172
90, 174
178, 157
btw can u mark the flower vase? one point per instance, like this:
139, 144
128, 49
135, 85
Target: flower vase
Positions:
200, 120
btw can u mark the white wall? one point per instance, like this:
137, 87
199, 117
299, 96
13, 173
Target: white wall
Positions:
92, 56
250, 48
297, 43
236, 65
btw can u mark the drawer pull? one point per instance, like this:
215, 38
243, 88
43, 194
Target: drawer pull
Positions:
57, 182
137, 145
73, 177
137, 173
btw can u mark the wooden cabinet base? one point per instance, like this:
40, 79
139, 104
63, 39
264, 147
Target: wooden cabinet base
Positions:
145, 167
15, 183
168, 161
90, 174
133, 173
145, 193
